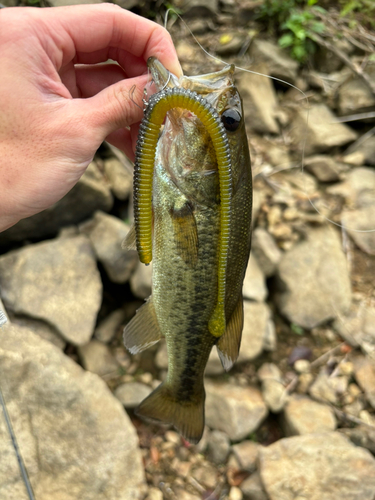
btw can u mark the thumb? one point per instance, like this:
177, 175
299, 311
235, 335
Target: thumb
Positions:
117, 106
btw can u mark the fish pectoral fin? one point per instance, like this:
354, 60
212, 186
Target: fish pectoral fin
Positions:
163, 407
228, 346
185, 233
129, 242
143, 330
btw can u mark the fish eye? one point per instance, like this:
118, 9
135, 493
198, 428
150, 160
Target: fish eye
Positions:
231, 119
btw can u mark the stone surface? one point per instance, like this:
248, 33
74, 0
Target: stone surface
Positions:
89, 194
357, 327
247, 454
106, 234
97, 358
317, 466
237, 411
314, 282
75, 438
260, 102
363, 152
218, 447
323, 167
254, 285
358, 188
305, 416
56, 281
364, 371
321, 132
277, 61
355, 96
132, 393
120, 176
41, 328
257, 324
252, 488
323, 388
140, 281
360, 224
110, 326
265, 250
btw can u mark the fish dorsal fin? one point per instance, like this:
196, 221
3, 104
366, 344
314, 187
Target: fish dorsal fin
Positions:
129, 242
185, 233
143, 330
228, 346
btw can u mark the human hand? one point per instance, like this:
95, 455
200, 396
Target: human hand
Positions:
57, 104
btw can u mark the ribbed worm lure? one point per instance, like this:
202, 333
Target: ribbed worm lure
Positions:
158, 105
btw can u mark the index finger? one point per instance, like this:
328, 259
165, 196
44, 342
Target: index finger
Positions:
97, 28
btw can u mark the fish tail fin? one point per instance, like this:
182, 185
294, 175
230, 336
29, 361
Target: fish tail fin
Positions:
163, 407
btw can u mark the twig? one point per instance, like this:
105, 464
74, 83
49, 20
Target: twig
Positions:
353, 118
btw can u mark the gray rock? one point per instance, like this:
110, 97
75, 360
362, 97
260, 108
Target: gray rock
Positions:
317, 466
89, 194
304, 416
75, 437
260, 102
273, 389
252, 488
362, 435
56, 281
355, 96
358, 189
360, 224
237, 411
41, 328
214, 366
321, 133
314, 282
357, 327
120, 177
277, 61
364, 372
218, 447
97, 358
254, 285
132, 393
247, 454
265, 250
363, 153
110, 326
140, 281
257, 323
323, 167
106, 234
323, 388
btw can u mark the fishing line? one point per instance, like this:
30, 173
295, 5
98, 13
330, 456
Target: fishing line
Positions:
307, 115
21, 463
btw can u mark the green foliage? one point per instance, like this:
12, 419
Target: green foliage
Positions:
298, 330
295, 22
366, 7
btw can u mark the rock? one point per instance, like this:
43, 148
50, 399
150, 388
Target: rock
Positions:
252, 488
299, 352
321, 133
110, 326
237, 411
265, 250
273, 152
360, 224
302, 366
218, 447
358, 189
323, 388
317, 466
120, 176
278, 63
364, 372
41, 328
362, 435
161, 358
106, 234
314, 283
247, 454
273, 389
132, 393
196, 8
97, 358
323, 167
355, 96
260, 102
257, 323
254, 286
73, 434
364, 151
230, 43
357, 327
89, 194
56, 281
304, 416
140, 281
206, 475
235, 493
155, 494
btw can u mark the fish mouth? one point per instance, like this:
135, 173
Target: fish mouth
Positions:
210, 84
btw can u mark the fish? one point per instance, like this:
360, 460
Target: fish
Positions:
193, 207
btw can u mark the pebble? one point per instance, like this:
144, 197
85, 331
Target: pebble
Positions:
364, 371
302, 366
218, 447
360, 225
299, 352
304, 416
252, 488
258, 326
247, 454
265, 250
120, 177
322, 388
96, 357
132, 393
154, 494
323, 167
109, 326
206, 475
254, 285
140, 281
235, 493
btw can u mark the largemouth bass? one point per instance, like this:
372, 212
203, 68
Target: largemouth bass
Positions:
201, 216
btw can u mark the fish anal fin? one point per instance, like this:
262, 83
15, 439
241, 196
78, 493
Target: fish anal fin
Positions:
143, 330
129, 242
228, 346
162, 407
185, 233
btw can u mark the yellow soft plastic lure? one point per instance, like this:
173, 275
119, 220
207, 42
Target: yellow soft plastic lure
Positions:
158, 106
